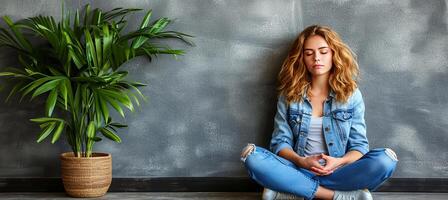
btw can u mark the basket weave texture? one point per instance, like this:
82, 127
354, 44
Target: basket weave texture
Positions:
86, 177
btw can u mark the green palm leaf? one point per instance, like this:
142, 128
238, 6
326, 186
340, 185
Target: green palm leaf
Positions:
77, 63
51, 102
50, 85
58, 132
110, 135
46, 132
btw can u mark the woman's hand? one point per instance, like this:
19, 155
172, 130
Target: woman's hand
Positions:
331, 164
312, 163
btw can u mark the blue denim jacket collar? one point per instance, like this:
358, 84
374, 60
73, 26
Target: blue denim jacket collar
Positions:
331, 95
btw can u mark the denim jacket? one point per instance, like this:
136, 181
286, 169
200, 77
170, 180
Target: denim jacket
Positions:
344, 126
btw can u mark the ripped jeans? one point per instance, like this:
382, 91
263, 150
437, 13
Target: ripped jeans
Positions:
278, 174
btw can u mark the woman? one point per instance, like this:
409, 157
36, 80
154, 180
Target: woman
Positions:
319, 147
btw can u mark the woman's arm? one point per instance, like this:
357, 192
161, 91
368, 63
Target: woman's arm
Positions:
282, 137
350, 157
292, 156
311, 162
357, 138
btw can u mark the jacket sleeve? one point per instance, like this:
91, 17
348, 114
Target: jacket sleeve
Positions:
358, 138
282, 136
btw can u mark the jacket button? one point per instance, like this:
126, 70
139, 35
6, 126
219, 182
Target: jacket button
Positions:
327, 129
331, 144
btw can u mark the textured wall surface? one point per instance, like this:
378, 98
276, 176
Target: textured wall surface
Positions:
205, 106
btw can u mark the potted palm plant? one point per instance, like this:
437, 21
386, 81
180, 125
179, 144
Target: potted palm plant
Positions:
76, 65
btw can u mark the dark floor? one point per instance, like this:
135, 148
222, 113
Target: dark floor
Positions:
209, 196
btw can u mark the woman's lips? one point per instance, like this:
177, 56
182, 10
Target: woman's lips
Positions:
318, 66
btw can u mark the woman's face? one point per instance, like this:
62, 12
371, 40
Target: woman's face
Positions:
317, 55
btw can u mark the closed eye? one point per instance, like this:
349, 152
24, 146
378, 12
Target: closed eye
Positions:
309, 53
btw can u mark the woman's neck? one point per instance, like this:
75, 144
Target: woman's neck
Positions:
319, 85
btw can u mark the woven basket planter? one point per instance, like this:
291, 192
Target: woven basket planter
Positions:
86, 177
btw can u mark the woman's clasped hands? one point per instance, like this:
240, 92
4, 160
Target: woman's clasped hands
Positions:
313, 163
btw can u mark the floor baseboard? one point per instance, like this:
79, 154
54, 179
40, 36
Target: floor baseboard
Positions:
204, 184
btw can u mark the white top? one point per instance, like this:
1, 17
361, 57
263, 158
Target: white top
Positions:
315, 143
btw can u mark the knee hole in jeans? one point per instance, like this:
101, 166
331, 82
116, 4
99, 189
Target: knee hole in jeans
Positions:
391, 154
249, 149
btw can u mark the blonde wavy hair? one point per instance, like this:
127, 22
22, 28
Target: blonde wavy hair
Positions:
294, 77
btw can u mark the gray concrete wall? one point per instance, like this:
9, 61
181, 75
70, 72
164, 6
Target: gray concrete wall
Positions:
205, 106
